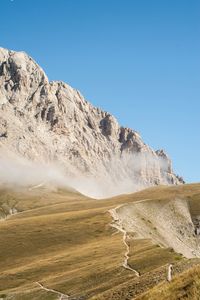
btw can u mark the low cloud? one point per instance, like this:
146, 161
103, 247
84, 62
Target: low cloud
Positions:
119, 175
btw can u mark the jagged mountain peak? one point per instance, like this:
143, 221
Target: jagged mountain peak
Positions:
52, 122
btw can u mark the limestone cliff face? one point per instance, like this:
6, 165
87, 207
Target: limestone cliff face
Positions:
50, 121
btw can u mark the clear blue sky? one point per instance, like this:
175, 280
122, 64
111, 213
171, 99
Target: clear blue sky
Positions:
137, 59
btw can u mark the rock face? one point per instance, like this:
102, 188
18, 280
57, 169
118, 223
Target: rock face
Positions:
52, 122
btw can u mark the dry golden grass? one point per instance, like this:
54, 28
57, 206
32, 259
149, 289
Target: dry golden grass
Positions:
146, 256
67, 244
183, 286
63, 240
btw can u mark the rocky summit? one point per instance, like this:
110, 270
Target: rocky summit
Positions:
50, 122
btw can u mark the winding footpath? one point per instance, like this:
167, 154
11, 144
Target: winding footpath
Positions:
117, 224
59, 294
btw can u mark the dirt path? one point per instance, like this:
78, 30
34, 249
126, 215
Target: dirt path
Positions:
117, 225
59, 294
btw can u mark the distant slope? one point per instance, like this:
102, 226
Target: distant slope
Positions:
64, 242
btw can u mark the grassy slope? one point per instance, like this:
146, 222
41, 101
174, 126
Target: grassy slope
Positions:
64, 240
183, 286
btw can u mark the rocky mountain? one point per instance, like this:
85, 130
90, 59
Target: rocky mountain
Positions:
46, 122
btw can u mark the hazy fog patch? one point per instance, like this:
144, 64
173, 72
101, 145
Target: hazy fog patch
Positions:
124, 174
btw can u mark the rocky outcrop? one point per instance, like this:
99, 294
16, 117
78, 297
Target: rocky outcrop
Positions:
50, 121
